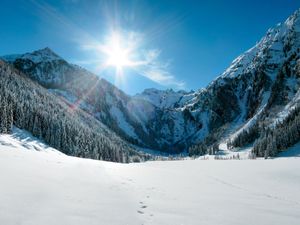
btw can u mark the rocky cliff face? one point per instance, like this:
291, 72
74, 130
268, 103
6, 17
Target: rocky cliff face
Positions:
259, 85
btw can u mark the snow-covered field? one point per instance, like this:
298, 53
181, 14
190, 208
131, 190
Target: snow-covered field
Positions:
47, 187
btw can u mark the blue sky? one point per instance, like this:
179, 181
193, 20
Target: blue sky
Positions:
176, 44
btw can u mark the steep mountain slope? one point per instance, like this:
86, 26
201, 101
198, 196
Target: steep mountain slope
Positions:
258, 87
167, 99
135, 119
87, 91
46, 67
29, 106
261, 85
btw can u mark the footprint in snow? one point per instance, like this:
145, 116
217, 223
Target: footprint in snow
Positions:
142, 207
140, 212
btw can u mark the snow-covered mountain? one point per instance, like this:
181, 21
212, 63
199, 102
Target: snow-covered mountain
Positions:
80, 88
260, 85
166, 99
133, 118
260, 88
27, 105
44, 66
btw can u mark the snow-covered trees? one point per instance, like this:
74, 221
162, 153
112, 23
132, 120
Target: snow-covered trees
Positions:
279, 138
198, 150
6, 115
257, 86
245, 137
29, 106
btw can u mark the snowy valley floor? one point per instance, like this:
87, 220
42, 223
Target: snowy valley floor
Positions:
47, 187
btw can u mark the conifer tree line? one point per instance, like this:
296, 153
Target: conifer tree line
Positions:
268, 141
284, 135
29, 106
198, 150
202, 149
246, 136
6, 114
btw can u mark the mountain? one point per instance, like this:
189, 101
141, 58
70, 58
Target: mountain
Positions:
260, 89
27, 105
46, 67
167, 99
257, 93
133, 118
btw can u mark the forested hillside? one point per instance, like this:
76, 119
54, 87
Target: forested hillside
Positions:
245, 104
29, 106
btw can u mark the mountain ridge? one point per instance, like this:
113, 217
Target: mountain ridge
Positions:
258, 82
27, 105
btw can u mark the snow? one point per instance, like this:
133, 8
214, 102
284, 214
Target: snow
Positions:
23, 140
285, 112
203, 132
268, 50
42, 55
45, 187
225, 153
122, 122
165, 98
142, 111
68, 96
251, 122
73, 100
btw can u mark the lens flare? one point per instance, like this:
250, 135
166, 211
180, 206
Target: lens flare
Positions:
117, 56
117, 52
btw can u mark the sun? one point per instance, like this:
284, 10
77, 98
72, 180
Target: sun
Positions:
118, 55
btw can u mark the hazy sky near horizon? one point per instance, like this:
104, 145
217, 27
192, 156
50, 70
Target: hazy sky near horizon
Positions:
179, 44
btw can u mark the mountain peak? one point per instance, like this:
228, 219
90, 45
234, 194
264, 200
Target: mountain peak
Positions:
296, 14
293, 22
271, 48
38, 56
46, 50
45, 54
